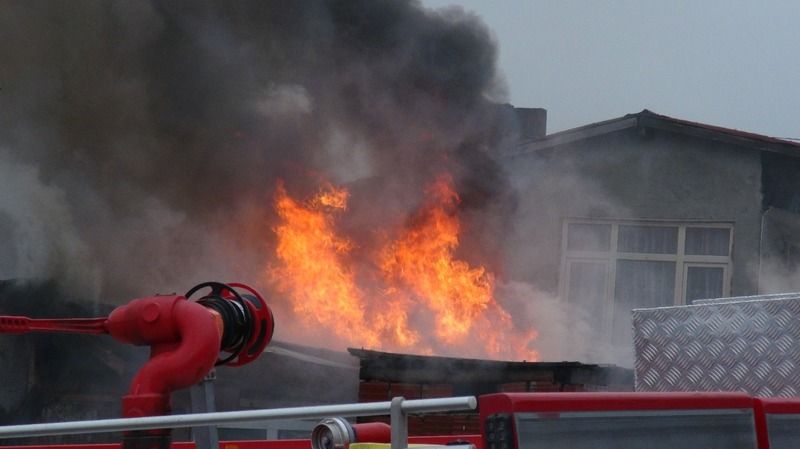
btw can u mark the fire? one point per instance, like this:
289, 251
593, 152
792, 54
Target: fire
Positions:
421, 267
420, 280
421, 262
313, 270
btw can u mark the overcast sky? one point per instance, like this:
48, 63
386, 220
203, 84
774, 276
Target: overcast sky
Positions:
730, 63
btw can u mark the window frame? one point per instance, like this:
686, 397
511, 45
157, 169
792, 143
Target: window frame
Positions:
609, 258
726, 280
606, 309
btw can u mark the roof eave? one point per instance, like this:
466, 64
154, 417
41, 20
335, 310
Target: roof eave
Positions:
647, 119
755, 142
575, 134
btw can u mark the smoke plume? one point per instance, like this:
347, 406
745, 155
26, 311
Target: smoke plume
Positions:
141, 140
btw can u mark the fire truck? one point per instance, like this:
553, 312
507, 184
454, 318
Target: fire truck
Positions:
230, 324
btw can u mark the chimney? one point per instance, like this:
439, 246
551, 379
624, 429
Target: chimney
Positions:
531, 122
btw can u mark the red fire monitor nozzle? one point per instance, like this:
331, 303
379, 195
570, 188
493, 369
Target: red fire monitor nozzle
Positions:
227, 324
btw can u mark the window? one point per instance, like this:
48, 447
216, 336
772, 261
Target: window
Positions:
638, 429
783, 429
611, 267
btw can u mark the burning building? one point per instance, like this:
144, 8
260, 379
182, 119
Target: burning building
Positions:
335, 154
352, 160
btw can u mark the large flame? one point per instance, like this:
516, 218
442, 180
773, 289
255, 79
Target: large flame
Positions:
421, 281
313, 272
420, 262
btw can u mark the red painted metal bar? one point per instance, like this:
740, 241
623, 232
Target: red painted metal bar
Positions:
780, 405
22, 324
762, 432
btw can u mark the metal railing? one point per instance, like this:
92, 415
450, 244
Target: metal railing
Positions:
398, 410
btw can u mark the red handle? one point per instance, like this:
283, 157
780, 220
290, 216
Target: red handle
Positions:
22, 324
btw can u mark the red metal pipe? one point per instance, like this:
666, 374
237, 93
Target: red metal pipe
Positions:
184, 338
372, 432
22, 325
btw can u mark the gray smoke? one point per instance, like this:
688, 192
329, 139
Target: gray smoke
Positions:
566, 332
140, 141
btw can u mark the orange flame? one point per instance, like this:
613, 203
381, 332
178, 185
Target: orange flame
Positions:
422, 281
421, 265
313, 270
421, 262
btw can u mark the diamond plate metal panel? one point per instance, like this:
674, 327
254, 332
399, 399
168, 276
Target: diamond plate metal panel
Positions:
749, 344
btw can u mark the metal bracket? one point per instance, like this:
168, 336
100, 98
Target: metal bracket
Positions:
399, 423
204, 401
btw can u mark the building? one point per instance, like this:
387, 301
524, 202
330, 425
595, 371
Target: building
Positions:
647, 210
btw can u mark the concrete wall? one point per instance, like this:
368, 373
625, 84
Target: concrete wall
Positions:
628, 175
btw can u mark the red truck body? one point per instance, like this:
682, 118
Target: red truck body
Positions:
601, 421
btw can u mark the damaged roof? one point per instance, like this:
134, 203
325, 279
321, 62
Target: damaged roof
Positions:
646, 121
391, 367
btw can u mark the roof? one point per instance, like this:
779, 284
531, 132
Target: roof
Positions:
391, 367
650, 120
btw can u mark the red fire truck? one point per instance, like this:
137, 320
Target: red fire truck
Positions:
508, 421
238, 323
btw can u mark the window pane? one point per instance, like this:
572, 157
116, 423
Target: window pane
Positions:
695, 429
704, 282
645, 283
784, 430
640, 283
587, 286
707, 241
648, 239
588, 237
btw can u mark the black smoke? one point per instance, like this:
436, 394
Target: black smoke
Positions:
140, 140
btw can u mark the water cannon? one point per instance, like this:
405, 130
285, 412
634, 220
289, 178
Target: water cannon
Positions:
212, 324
